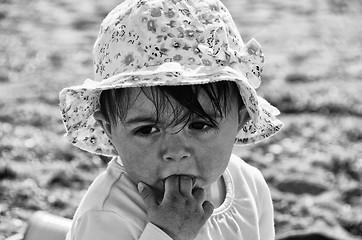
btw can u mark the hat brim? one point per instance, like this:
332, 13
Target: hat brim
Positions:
79, 103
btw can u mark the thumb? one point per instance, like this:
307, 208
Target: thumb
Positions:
147, 195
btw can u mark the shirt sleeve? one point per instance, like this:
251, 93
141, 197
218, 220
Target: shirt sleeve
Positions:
95, 225
153, 232
266, 211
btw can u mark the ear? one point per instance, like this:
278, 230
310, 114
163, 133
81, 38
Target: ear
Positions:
243, 117
103, 122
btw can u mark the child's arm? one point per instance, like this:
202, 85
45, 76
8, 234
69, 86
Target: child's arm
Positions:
95, 225
183, 210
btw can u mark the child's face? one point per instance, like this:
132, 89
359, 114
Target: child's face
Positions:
153, 150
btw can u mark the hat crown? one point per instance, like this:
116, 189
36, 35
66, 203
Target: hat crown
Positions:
145, 33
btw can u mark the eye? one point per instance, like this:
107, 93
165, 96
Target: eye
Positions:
201, 126
146, 130
198, 125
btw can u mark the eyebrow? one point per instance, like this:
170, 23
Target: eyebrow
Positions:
153, 119
140, 119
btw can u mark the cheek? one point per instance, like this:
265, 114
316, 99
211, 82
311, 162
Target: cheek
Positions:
126, 147
133, 158
139, 161
215, 159
218, 157
218, 150
137, 167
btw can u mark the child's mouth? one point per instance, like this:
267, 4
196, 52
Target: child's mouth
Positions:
192, 177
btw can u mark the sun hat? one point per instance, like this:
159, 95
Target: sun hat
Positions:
167, 42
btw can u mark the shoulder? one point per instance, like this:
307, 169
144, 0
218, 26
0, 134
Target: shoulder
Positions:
248, 178
251, 183
113, 191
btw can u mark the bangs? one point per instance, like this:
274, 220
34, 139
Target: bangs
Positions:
182, 100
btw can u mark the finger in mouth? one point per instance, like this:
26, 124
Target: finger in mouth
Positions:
193, 178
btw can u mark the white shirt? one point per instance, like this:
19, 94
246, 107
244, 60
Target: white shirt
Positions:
113, 209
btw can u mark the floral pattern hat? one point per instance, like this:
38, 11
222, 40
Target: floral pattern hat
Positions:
167, 42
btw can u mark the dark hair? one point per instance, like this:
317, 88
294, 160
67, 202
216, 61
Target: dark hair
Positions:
114, 103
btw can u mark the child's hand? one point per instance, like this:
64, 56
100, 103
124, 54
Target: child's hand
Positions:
182, 211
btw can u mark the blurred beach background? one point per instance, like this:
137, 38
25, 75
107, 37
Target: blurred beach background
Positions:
313, 74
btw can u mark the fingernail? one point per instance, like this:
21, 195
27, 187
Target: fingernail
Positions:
186, 177
140, 186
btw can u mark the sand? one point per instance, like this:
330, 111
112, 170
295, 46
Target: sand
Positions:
313, 74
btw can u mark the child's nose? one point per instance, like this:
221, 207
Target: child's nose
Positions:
175, 148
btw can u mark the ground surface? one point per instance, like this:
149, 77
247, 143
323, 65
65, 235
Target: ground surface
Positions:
313, 75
